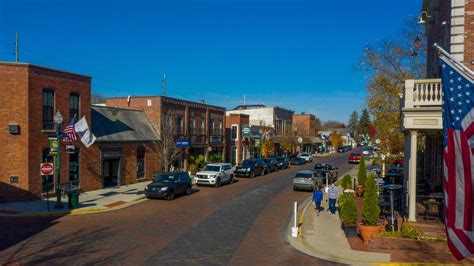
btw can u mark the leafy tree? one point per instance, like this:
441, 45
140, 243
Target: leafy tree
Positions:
336, 139
362, 174
287, 143
268, 148
353, 122
388, 64
370, 203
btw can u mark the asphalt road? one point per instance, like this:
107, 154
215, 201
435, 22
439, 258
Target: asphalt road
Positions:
237, 224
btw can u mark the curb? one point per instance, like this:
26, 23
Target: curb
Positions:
78, 211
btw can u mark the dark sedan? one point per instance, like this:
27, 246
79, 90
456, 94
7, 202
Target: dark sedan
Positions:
282, 162
271, 163
297, 161
167, 185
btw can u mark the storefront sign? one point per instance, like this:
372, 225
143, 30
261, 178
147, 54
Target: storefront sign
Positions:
183, 143
70, 149
53, 146
246, 130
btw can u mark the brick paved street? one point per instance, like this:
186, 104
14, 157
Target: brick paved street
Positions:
242, 223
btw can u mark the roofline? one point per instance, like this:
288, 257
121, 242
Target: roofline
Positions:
119, 108
23, 64
171, 98
262, 107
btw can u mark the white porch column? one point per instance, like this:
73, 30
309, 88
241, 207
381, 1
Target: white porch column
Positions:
412, 177
406, 159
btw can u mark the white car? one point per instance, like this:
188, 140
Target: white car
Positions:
215, 174
307, 157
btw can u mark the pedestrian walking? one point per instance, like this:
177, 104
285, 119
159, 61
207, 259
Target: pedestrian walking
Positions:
332, 195
317, 198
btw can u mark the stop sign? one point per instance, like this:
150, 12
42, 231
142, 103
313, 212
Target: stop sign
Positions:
46, 168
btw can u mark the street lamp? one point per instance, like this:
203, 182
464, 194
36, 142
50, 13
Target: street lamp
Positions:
261, 140
58, 120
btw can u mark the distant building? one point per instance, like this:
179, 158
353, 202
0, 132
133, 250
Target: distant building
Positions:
304, 126
199, 124
237, 147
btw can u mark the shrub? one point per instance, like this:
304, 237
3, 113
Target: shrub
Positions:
348, 209
362, 174
370, 204
346, 182
410, 231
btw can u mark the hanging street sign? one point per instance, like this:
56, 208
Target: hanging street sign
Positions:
246, 130
46, 168
183, 143
53, 146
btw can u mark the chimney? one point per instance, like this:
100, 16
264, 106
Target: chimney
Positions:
201, 101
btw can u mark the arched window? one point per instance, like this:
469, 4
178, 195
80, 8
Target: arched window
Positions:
140, 162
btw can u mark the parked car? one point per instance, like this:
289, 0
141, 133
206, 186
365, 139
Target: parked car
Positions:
398, 162
307, 156
306, 180
250, 168
354, 158
168, 185
368, 151
340, 149
271, 164
332, 171
215, 174
297, 161
282, 162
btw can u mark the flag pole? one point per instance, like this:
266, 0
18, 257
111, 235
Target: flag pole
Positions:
454, 60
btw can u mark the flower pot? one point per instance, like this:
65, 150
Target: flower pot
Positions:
350, 230
367, 231
360, 190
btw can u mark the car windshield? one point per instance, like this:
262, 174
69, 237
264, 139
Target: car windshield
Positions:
279, 159
304, 154
267, 160
213, 168
321, 166
247, 163
355, 154
165, 178
303, 175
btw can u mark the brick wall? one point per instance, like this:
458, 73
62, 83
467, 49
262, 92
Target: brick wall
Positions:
469, 34
239, 120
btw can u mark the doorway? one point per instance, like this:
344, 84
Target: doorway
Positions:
110, 172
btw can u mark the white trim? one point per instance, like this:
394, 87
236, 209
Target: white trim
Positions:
237, 131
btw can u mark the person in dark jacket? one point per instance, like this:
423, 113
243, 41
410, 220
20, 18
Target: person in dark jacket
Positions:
317, 198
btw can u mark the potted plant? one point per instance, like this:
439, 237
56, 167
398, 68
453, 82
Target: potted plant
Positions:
370, 211
346, 182
361, 178
348, 214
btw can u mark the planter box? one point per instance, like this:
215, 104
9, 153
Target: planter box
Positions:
350, 230
395, 243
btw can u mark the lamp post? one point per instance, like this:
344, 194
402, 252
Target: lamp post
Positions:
261, 140
58, 119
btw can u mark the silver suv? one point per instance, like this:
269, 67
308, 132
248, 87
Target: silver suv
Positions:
215, 174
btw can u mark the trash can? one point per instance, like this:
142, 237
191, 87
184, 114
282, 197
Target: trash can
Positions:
73, 198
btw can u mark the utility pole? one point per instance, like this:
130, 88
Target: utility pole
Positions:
16, 48
164, 84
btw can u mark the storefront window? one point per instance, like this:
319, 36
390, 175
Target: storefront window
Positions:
74, 166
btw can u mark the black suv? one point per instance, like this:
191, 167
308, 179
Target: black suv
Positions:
167, 185
282, 162
272, 164
250, 168
325, 167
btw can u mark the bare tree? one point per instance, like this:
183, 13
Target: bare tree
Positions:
166, 146
97, 98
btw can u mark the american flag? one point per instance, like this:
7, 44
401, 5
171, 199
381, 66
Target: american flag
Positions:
458, 160
70, 131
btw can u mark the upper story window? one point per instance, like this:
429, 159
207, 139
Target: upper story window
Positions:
203, 130
179, 124
48, 109
192, 126
211, 126
168, 121
219, 125
233, 132
74, 106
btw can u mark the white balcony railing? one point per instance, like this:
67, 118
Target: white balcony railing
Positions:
422, 93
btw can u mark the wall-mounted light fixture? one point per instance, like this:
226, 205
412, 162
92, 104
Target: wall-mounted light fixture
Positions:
423, 16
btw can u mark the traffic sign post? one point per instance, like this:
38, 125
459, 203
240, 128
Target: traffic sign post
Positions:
46, 168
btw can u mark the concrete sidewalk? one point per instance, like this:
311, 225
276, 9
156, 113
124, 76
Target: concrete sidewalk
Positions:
322, 237
89, 202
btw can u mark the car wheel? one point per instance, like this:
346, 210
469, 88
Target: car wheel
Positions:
170, 195
252, 175
295, 189
218, 182
189, 190
231, 179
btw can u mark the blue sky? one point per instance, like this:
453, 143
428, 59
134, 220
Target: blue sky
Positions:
296, 54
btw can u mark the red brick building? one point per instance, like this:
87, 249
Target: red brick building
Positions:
29, 97
237, 147
200, 124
